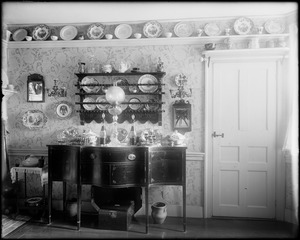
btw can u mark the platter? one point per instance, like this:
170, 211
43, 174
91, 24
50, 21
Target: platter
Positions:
41, 32
152, 29
34, 119
89, 107
152, 107
101, 99
212, 29
95, 31
68, 33
148, 79
183, 29
122, 134
123, 31
274, 26
90, 89
19, 35
64, 110
135, 106
243, 26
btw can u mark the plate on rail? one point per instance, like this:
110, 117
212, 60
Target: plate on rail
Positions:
90, 89
123, 31
95, 31
183, 29
243, 26
68, 33
135, 106
102, 100
274, 26
212, 29
148, 79
89, 107
41, 32
19, 35
152, 29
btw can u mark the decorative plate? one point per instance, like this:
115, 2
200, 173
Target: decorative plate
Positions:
243, 26
152, 107
90, 89
148, 79
122, 134
41, 32
102, 99
135, 106
19, 35
274, 26
89, 106
95, 31
183, 29
68, 33
64, 110
152, 29
122, 82
123, 31
34, 119
212, 29
133, 89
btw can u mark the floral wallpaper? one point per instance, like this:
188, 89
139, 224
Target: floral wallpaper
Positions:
61, 64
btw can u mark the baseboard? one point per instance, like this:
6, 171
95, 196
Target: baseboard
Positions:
290, 216
176, 211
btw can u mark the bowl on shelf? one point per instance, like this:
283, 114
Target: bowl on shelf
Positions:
54, 38
137, 35
28, 38
168, 34
108, 36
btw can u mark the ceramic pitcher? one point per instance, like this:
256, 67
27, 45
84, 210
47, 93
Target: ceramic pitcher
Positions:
123, 67
159, 212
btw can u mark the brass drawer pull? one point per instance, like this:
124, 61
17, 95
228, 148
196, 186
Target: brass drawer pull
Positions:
131, 157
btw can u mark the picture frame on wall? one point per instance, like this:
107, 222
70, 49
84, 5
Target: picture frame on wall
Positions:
35, 88
182, 121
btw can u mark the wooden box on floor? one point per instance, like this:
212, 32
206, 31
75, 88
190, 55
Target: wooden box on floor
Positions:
116, 217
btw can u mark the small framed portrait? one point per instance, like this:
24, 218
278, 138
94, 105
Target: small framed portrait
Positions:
182, 120
64, 110
35, 88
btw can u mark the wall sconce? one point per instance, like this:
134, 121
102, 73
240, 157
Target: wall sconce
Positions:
56, 91
180, 81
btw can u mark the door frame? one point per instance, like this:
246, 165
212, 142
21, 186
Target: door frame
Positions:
277, 55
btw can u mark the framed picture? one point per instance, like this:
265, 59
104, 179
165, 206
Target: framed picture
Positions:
182, 120
64, 110
35, 88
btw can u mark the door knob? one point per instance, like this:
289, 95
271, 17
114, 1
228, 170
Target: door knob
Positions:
218, 135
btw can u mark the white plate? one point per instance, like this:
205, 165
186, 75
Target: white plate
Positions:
19, 35
148, 79
34, 119
152, 107
89, 106
183, 29
41, 32
212, 29
64, 110
68, 33
95, 31
243, 26
135, 106
102, 99
274, 26
123, 31
152, 29
90, 89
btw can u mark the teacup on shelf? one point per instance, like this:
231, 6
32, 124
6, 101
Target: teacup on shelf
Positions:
54, 38
137, 35
28, 38
168, 34
108, 36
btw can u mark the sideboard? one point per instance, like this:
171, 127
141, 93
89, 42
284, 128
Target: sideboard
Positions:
116, 167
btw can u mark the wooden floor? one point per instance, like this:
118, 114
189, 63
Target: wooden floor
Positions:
171, 228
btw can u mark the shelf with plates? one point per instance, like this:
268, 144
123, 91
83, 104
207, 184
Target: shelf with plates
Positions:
139, 42
144, 104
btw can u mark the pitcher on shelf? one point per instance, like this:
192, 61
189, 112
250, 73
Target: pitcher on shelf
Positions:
123, 66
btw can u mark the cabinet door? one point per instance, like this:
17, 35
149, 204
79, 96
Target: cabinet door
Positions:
93, 171
64, 162
166, 167
128, 173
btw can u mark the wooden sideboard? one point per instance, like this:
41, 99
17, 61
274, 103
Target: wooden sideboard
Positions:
116, 167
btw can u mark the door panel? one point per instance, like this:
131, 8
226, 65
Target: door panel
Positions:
244, 109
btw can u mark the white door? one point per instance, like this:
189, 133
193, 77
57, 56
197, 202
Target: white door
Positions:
244, 159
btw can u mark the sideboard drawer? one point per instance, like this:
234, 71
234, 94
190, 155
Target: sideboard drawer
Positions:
121, 154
